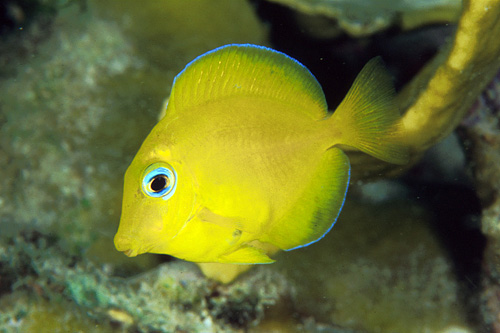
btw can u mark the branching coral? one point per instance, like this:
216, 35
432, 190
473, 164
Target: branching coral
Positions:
436, 100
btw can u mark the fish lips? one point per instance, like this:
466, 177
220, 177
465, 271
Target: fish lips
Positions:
124, 245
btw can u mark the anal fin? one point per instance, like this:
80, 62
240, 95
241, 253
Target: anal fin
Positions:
318, 206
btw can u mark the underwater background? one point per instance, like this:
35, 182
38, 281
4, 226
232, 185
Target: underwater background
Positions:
415, 249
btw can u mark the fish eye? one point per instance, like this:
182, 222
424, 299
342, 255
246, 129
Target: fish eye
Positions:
159, 181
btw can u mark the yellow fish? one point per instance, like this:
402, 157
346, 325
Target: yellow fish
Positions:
248, 155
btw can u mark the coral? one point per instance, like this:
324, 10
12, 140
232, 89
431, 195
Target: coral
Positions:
481, 130
171, 297
470, 65
436, 100
361, 18
52, 115
24, 312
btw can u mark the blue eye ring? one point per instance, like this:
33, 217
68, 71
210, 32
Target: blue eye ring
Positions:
159, 181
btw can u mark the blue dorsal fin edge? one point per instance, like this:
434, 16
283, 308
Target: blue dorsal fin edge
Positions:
263, 71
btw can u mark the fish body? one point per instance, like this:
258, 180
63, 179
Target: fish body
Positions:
248, 155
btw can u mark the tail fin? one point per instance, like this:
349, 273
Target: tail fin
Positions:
368, 117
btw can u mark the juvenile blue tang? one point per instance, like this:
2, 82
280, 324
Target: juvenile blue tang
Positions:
248, 156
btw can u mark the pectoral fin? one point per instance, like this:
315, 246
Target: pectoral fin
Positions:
206, 215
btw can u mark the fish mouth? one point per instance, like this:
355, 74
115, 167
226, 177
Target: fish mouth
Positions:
125, 246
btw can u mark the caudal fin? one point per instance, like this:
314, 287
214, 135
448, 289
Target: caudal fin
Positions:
368, 117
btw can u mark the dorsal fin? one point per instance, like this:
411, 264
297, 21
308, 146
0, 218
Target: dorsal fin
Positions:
245, 69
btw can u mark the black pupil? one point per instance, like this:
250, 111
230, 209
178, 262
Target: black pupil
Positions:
158, 183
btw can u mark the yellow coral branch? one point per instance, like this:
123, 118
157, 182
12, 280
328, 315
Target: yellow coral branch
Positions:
471, 64
437, 99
